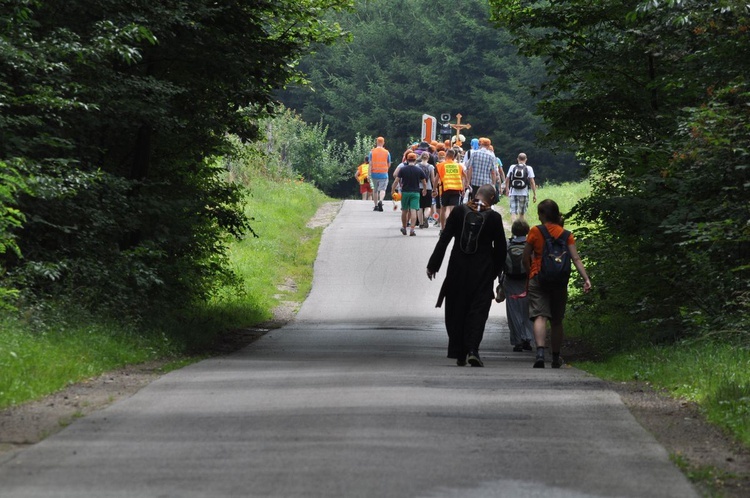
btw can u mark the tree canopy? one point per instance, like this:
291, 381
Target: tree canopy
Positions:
654, 97
409, 57
111, 113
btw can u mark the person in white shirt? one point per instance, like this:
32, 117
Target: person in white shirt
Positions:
520, 178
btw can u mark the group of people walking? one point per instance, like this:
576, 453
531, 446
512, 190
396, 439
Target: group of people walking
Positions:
532, 268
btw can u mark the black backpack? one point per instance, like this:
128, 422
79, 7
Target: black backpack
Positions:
514, 269
519, 177
473, 224
555, 269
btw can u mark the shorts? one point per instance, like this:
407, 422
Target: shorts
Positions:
547, 302
365, 188
380, 184
410, 200
451, 198
438, 201
425, 201
519, 204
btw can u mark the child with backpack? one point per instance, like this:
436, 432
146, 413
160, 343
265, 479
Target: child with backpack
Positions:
513, 287
549, 252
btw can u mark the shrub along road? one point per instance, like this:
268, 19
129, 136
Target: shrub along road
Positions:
356, 397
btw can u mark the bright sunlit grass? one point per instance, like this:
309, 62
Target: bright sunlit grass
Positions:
43, 358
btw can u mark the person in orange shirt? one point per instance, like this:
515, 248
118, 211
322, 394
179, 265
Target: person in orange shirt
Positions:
379, 161
547, 301
452, 183
364, 181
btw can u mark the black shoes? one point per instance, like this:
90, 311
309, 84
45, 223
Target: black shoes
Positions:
524, 346
539, 363
474, 360
461, 362
557, 361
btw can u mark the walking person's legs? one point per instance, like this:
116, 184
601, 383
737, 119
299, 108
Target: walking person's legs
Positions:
476, 320
404, 213
540, 336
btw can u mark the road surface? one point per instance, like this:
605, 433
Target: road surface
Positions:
356, 398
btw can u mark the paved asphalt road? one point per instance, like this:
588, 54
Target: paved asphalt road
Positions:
356, 398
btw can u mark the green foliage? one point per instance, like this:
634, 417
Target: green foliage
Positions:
655, 101
116, 111
714, 375
43, 354
284, 251
46, 346
11, 183
409, 57
305, 149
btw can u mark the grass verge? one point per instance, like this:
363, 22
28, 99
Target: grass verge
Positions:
36, 360
50, 350
715, 376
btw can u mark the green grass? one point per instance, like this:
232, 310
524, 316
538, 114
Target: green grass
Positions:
38, 358
710, 477
715, 376
566, 195
284, 249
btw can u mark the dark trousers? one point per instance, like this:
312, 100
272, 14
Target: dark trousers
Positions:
465, 322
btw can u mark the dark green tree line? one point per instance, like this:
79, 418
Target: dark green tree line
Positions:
110, 114
409, 57
654, 97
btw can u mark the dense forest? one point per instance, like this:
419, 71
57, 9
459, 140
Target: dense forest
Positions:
409, 57
655, 99
113, 116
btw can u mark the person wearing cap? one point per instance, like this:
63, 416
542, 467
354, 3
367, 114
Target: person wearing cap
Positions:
481, 167
451, 183
409, 177
364, 182
379, 161
474, 146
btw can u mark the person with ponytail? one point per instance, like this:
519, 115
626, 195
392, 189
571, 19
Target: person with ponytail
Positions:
547, 300
476, 260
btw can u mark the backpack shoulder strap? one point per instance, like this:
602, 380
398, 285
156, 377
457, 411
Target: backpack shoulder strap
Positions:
563, 236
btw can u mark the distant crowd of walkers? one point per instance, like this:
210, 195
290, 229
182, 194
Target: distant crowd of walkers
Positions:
441, 183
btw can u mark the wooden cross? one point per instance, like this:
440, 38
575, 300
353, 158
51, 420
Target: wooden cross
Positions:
458, 127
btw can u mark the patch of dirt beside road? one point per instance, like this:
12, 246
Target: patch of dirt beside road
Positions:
715, 463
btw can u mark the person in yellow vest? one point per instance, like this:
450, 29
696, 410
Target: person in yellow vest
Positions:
452, 183
379, 161
364, 181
